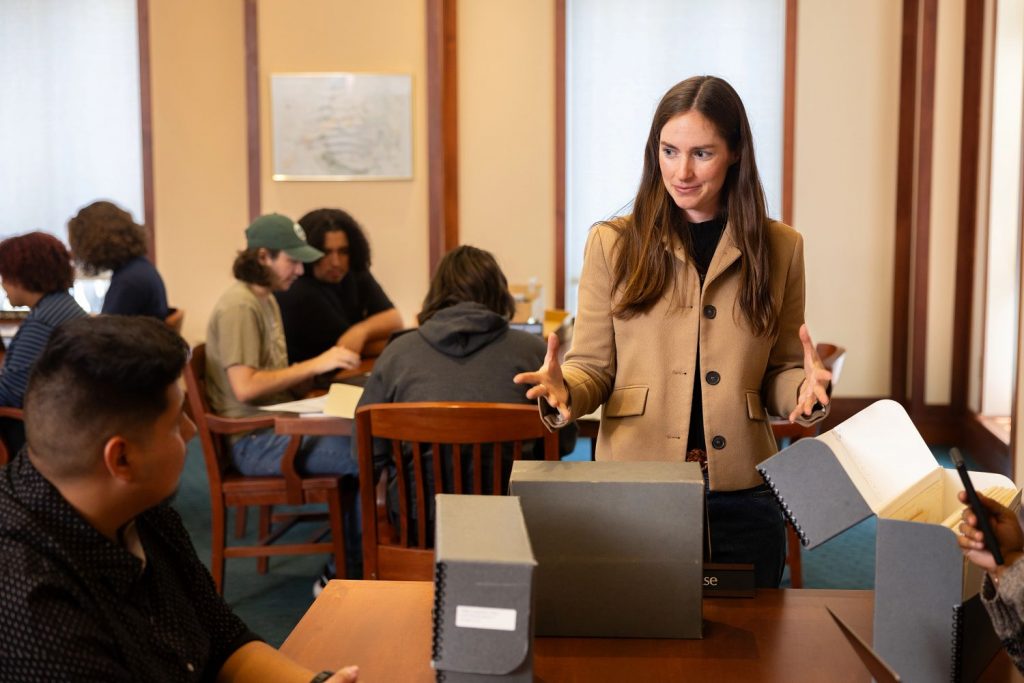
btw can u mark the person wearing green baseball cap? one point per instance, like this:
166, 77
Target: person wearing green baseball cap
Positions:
247, 362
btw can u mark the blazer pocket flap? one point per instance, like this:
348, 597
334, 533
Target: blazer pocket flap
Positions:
755, 409
626, 402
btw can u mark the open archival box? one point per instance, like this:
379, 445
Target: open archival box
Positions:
929, 623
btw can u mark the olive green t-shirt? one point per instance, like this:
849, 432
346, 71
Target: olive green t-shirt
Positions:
244, 329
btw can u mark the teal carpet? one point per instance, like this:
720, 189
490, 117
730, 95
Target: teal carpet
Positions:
274, 602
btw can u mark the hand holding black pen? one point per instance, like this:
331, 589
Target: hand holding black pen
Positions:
1006, 530
981, 512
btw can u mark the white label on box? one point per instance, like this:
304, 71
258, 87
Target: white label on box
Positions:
489, 618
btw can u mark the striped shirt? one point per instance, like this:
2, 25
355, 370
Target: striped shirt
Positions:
28, 343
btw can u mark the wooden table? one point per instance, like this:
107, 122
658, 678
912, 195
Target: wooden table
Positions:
781, 635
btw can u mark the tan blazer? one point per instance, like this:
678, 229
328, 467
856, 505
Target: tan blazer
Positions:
642, 369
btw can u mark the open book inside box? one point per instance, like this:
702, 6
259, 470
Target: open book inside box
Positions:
928, 622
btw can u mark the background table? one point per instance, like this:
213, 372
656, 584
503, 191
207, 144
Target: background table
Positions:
781, 635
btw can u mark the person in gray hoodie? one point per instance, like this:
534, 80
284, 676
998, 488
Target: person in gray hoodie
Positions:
463, 349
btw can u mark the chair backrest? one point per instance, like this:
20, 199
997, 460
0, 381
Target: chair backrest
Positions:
214, 448
473, 438
832, 357
175, 319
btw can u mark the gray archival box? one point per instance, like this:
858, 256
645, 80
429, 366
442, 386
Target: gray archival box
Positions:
483, 591
618, 546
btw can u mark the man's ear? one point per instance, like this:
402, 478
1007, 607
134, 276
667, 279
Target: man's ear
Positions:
263, 256
116, 459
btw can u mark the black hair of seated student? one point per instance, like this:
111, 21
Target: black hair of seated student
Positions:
468, 274
79, 393
319, 222
248, 269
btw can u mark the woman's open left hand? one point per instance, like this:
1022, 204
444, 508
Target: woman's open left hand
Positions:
814, 388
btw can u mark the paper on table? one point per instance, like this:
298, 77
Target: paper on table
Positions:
342, 400
305, 405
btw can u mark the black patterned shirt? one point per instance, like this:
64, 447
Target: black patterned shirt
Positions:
75, 606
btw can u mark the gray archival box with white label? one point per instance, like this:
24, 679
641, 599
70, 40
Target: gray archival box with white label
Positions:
483, 591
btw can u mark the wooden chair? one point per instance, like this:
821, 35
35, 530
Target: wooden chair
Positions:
7, 451
228, 488
832, 357
473, 434
175, 319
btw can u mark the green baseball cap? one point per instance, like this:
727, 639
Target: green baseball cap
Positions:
275, 231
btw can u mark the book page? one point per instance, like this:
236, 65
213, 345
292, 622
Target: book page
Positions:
882, 452
342, 400
922, 502
305, 405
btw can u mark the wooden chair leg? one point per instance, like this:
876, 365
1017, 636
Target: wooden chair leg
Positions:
793, 558
262, 563
217, 541
240, 521
336, 512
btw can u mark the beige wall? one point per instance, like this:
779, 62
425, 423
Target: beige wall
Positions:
199, 152
372, 37
847, 103
507, 135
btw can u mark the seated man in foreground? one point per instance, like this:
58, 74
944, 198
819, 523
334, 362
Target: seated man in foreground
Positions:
98, 577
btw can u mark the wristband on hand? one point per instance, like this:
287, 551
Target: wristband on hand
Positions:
321, 677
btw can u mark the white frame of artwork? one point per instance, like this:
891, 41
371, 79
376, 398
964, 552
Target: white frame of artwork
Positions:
311, 109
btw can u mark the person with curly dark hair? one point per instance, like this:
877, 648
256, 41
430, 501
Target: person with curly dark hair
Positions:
104, 237
36, 272
336, 302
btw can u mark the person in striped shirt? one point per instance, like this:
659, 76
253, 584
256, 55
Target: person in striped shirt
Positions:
36, 271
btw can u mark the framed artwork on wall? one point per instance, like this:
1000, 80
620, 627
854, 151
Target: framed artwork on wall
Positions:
341, 126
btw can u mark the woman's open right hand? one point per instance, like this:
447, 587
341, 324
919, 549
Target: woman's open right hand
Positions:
548, 381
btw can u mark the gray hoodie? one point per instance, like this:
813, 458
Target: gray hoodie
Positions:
465, 352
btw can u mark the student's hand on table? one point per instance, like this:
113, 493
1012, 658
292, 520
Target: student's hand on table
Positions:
548, 381
334, 358
814, 388
1005, 527
350, 674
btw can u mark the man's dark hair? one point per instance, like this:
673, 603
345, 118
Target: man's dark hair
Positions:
248, 269
468, 274
97, 377
319, 222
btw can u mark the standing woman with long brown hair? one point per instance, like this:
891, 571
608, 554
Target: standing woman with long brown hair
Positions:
689, 330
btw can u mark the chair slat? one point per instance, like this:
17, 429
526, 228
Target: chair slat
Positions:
403, 492
457, 468
497, 470
437, 463
478, 473
421, 495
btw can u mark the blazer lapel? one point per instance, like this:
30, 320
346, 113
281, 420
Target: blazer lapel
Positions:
725, 255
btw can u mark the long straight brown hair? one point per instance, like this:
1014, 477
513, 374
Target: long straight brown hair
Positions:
642, 268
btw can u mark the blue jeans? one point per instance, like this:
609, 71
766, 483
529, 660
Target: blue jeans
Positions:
747, 526
259, 455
